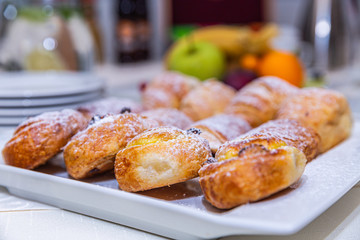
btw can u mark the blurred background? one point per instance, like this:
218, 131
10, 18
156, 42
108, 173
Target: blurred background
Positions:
73, 51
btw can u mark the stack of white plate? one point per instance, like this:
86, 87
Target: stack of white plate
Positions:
28, 94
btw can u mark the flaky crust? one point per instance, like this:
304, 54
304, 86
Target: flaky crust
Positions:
160, 157
272, 135
208, 99
40, 138
221, 128
110, 105
259, 101
169, 117
326, 111
252, 175
93, 150
167, 89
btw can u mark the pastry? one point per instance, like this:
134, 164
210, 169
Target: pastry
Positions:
40, 138
259, 101
326, 111
167, 90
109, 105
272, 135
253, 174
160, 157
221, 128
206, 100
93, 150
259, 163
169, 117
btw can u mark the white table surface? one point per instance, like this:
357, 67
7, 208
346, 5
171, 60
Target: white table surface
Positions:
23, 219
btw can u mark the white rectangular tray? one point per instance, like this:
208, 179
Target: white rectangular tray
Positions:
181, 212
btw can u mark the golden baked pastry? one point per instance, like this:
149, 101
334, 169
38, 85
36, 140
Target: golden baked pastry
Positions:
326, 111
167, 90
110, 105
160, 157
251, 175
259, 101
206, 100
169, 117
272, 135
93, 150
221, 128
40, 138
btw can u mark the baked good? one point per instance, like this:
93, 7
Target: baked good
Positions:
221, 128
259, 101
93, 150
326, 111
40, 138
110, 105
251, 175
160, 157
272, 135
258, 163
167, 89
206, 100
169, 117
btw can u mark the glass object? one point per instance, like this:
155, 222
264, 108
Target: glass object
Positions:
44, 35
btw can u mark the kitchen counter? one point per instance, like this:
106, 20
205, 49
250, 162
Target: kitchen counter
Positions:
24, 219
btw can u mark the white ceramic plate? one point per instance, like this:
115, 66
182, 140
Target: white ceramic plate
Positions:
18, 112
48, 84
181, 212
11, 121
48, 101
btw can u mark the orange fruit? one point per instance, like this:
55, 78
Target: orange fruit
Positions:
284, 65
249, 62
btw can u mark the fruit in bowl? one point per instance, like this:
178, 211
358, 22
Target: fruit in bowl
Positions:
239, 78
199, 59
282, 64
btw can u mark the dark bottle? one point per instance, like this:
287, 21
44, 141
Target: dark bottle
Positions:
133, 32
142, 30
126, 31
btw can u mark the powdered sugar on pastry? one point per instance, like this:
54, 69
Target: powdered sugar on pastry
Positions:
169, 117
109, 105
96, 146
228, 126
40, 138
208, 99
160, 157
324, 110
167, 89
272, 135
259, 101
221, 128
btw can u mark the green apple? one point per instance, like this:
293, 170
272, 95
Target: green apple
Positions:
199, 59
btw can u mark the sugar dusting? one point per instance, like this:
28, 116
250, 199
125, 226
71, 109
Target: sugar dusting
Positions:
290, 131
228, 126
195, 143
174, 82
70, 121
271, 90
167, 90
110, 105
122, 126
169, 117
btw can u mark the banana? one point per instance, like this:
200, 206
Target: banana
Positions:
230, 39
259, 41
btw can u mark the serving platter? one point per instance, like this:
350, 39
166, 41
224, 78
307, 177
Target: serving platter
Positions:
180, 211
48, 84
49, 101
